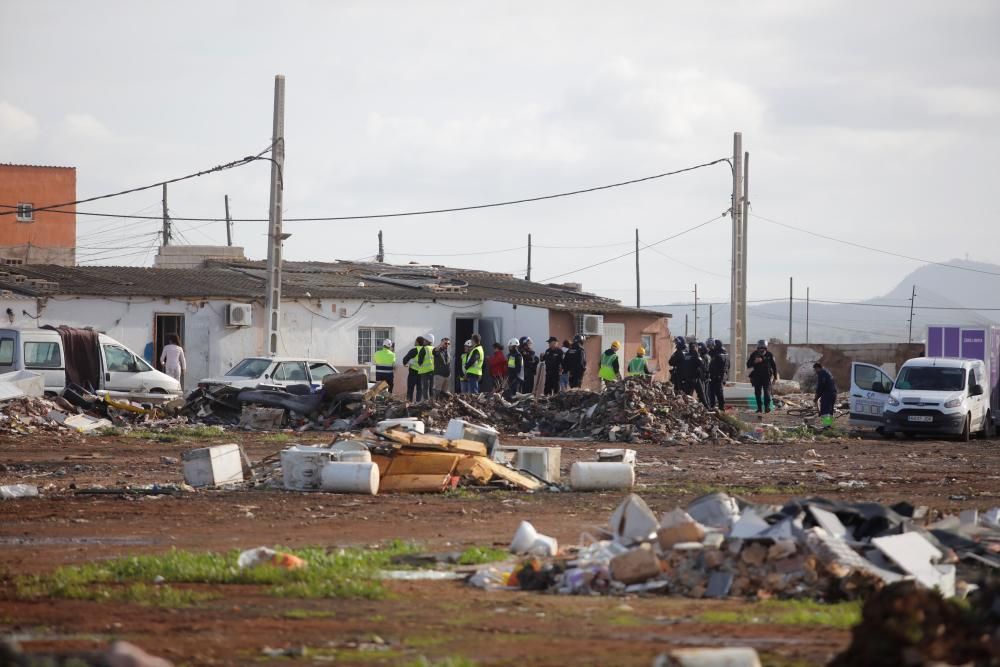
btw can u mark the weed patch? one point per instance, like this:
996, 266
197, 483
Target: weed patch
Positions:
480, 555
791, 612
175, 434
304, 614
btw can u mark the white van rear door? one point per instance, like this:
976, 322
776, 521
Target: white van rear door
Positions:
870, 387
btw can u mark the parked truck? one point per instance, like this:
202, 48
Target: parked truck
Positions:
875, 391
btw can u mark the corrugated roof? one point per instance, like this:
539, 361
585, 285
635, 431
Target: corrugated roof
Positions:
37, 166
244, 279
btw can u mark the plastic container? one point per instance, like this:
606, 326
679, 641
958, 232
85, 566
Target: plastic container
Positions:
301, 465
18, 491
350, 478
589, 476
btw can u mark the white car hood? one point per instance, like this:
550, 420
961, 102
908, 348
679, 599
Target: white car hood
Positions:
910, 397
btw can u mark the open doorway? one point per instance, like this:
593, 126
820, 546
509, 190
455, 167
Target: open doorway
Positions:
464, 328
164, 326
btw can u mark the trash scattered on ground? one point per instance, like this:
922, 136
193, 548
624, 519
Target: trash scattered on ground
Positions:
10, 491
120, 654
213, 466
709, 657
265, 556
720, 546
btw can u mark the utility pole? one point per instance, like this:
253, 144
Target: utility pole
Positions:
167, 233
696, 310
527, 276
790, 292
685, 325
229, 225
638, 298
807, 315
380, 257
275, 237
711, 307
738, 290
913, 297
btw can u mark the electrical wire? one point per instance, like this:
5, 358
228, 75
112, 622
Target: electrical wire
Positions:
455, 209
878, 250
454, 254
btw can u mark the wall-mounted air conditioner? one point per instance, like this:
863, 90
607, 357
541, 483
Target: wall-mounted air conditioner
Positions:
239, 314
590, 325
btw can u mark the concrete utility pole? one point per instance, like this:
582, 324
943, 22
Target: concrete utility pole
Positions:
527, 275
913, 298
738, 289
790, 297
685, 325
229, 224
807, 315
711, 307
167, 233
696, 310
638, 295
380, 257
275, 237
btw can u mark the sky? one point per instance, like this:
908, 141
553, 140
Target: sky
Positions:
870, 122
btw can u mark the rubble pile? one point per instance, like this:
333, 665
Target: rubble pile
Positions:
631, 410
720, 547
27, 414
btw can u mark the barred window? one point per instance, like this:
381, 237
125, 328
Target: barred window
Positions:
369, 341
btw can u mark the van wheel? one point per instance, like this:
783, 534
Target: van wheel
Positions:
967, 429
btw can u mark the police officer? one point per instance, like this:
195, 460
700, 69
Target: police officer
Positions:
763, 371
610, 370
530, 360
385, 364
553, 360
675, 364
693, 373
826, 393
718, 373
575, 362
515, 368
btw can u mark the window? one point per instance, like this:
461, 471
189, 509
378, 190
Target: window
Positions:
320, 371
119, 360
369, 341
931, 378
42, 355
6, 352
250, 368
25, 212
647, 342
868, 379
291, 371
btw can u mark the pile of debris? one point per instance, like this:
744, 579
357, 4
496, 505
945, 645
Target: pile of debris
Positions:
720, 547
632, 410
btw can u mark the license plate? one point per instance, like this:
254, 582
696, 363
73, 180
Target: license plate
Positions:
920, 418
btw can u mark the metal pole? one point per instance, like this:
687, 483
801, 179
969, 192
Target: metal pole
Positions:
711, 307
167, 234
527, 276
638, 299
685, 325
274, 235
380, 257
790, 292
229, 225
807, 316
913, 297
696, 310
737, 300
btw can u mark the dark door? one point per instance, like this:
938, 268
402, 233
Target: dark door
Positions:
164, 326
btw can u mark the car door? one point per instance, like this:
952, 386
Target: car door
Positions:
45, 357
318, 371
290, 372
870, 387
121, 369
978, 403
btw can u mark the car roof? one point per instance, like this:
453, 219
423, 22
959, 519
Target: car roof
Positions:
941, 362
279, 359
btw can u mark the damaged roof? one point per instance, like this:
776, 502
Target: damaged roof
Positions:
245, 279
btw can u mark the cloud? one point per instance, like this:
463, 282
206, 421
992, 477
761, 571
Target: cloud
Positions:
16, 125
84, 127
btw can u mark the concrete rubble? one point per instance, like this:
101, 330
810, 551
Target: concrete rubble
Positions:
720, 546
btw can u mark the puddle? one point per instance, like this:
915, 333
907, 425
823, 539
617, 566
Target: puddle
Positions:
17, 541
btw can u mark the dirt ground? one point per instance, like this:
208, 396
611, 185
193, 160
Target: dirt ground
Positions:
436, 620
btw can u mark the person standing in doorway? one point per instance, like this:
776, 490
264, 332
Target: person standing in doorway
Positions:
530, 360
385, 364
763, 371
575, 362
498, 368
826, 394
172, 358
515, 368
610, 370
442, 367
473, 364
553, 359
412, 378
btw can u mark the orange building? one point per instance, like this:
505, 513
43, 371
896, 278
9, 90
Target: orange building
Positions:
28, 236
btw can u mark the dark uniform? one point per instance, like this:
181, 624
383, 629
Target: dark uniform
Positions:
553, 360
530, 361
763, 371
693, 371
718, 373
575, 362
826, 392
675, 364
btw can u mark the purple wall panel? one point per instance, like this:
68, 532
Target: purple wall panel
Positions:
935, 341
952, 342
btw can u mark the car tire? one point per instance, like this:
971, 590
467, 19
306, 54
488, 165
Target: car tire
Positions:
967, 429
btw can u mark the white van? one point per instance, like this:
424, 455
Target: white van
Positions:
930, 396
123, 372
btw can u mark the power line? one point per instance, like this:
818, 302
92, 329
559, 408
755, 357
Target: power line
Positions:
879, 250
454, 254
336, 218
655, 243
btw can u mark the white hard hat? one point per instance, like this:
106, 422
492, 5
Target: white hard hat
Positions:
468, 343
429, 338
513, 342
387, 343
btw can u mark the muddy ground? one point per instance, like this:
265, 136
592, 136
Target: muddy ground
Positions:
432, 620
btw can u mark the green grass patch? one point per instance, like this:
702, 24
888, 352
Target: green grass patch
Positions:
737, 423
425, 641
480, 555
277, 437
175, 434
304, 614
331, 573
791, 612
151, 595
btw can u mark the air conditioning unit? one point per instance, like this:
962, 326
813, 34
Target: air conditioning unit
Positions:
590, 325
239, 314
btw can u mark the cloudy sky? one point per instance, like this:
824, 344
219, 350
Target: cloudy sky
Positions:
870, 122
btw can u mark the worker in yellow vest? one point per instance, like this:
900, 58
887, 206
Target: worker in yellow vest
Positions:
515, 368
385, 364
638, 364
423, 364
472, 366
609, 371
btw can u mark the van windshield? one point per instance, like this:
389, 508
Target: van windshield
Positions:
931, 378
250, 368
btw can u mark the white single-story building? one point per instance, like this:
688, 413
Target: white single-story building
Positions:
338, 311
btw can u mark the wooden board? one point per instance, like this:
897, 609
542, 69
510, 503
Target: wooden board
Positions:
467, 447
422, 463
474, 470
414, 483
429, 440
399, 435
382, 462
512, 476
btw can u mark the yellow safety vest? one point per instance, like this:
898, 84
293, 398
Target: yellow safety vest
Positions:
428, 365
385, 357
607, 371
637, 366
476, 368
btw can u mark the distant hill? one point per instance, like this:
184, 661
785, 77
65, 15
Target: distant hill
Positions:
937, 286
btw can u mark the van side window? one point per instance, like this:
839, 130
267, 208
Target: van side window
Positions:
42, 355
6, 352
119, 360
